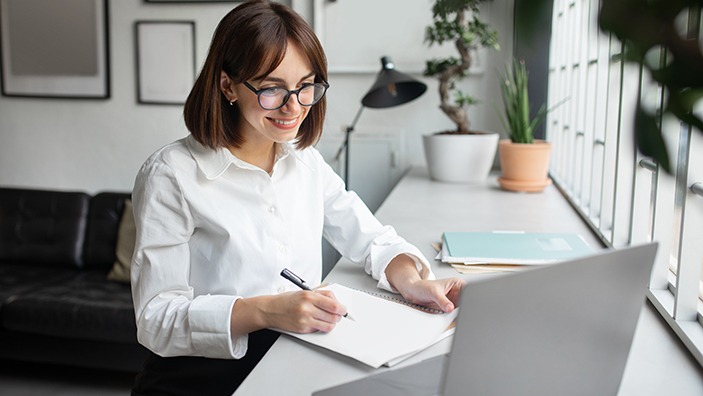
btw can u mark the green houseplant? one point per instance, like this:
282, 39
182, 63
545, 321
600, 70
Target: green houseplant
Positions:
524, 161
461, 154
516, 119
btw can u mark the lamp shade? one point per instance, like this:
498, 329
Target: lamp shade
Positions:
392, 88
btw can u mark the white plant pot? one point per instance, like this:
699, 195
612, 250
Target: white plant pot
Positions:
460, 158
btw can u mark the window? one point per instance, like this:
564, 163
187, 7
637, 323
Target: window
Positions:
626, 198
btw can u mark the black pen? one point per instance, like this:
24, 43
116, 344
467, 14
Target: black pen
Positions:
298, 281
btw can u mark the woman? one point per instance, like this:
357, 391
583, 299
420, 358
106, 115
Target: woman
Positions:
221, 212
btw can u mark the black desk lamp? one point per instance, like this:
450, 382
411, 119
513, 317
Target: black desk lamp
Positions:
392, 88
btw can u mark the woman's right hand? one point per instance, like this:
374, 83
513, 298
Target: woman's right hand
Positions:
297, 312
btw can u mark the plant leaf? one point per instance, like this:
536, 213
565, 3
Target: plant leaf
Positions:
648, 138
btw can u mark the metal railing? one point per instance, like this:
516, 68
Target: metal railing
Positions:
625, 197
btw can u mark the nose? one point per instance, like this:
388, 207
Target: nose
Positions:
292, 105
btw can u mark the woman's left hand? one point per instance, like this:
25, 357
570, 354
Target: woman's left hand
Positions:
442, 294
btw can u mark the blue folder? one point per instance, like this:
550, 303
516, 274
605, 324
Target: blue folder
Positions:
512, 247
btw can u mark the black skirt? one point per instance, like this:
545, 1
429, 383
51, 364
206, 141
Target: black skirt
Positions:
187, 375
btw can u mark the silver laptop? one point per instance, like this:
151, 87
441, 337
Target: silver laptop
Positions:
560, 329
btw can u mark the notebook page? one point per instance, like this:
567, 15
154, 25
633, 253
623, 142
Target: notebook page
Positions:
381, 331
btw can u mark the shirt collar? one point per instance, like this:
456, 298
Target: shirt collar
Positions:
214, 162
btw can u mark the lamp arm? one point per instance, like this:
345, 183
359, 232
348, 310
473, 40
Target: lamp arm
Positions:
345, 146
349, 129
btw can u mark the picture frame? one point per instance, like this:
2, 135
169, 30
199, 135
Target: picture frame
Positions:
191, 1
46, 57
165, 57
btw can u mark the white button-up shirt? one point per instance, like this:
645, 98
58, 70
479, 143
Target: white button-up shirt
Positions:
212, 229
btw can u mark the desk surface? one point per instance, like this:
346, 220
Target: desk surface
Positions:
421, 210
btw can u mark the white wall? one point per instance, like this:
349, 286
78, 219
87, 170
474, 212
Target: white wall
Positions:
97, 145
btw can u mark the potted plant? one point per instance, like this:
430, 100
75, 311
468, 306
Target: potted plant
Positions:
462, 154
524, 161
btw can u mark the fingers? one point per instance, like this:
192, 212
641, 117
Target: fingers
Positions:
325, 310
440, 294
330, 303
453, 292
444, 303
307, 311
439, 301
449, 299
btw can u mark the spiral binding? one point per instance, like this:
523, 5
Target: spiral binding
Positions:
402, 301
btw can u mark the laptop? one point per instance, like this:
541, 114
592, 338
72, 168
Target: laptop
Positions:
559, 329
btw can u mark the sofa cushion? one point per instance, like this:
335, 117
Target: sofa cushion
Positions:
103, 221
84, 307
126, 236
44, 228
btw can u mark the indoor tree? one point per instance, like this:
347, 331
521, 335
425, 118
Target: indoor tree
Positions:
457, 22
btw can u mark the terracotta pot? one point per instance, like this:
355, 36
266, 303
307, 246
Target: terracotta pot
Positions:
524, 167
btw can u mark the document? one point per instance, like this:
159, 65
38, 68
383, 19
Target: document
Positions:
383, 331
516, 248
472, 267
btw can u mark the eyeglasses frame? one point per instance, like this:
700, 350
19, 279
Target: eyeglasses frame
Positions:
258, 93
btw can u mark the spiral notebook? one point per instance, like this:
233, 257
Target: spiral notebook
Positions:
384, 331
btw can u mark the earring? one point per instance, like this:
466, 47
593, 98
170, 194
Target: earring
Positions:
231, 102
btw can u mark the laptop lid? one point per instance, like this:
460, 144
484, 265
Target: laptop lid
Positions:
563, 329
559, 329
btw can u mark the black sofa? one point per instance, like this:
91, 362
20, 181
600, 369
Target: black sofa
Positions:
56, 304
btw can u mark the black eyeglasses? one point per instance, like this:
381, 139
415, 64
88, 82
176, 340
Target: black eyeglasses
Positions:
276, 97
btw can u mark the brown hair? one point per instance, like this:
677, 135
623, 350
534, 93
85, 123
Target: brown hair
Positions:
250, 39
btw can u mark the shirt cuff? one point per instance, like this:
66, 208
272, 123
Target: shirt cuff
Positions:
420, 264
209, 320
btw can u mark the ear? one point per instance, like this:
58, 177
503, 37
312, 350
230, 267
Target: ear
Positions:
227, 87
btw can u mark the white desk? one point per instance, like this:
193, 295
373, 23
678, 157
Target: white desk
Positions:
421, 210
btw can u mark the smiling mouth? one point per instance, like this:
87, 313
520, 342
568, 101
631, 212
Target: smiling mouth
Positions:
284, 122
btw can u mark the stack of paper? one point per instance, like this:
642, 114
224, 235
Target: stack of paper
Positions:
509, 250
382, 331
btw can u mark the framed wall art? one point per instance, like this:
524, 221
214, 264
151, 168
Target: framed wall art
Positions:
191, 1
46, 56
165, 53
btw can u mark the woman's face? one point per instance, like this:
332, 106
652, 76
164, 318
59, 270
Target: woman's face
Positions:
260, 126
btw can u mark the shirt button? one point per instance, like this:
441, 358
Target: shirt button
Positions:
282, 249
281, 289
272, 209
